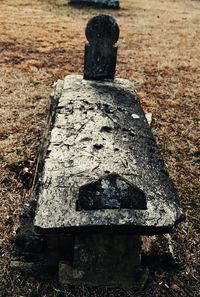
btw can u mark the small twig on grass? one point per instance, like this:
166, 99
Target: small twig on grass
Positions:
196, 219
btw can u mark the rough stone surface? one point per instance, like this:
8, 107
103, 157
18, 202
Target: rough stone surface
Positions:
100, 129
114, 4
102, 32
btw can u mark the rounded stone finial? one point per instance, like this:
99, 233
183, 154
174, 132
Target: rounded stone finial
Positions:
102, 28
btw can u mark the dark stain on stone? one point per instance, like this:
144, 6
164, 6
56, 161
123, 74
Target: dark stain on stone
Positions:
107, 108
106, 129
86, 139
98, 146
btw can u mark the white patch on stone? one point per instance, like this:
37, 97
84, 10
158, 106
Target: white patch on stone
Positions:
121, 184
149, 118
135, 116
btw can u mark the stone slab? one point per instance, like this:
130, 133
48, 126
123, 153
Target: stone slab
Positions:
113, 4
100, 129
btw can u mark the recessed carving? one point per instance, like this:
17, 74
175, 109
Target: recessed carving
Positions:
110, 192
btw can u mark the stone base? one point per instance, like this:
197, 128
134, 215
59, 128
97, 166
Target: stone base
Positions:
70, 260
105, 260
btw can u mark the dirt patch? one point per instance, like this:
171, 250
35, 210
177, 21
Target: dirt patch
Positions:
41, 41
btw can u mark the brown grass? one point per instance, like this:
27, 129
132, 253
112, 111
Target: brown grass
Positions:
41, 41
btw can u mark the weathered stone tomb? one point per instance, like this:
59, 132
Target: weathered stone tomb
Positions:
103, 181
113, 4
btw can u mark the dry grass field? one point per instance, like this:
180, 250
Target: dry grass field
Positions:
42, 41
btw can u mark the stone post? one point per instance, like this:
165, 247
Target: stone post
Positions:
102, 32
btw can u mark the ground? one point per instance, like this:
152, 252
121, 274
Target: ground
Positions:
42, 41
